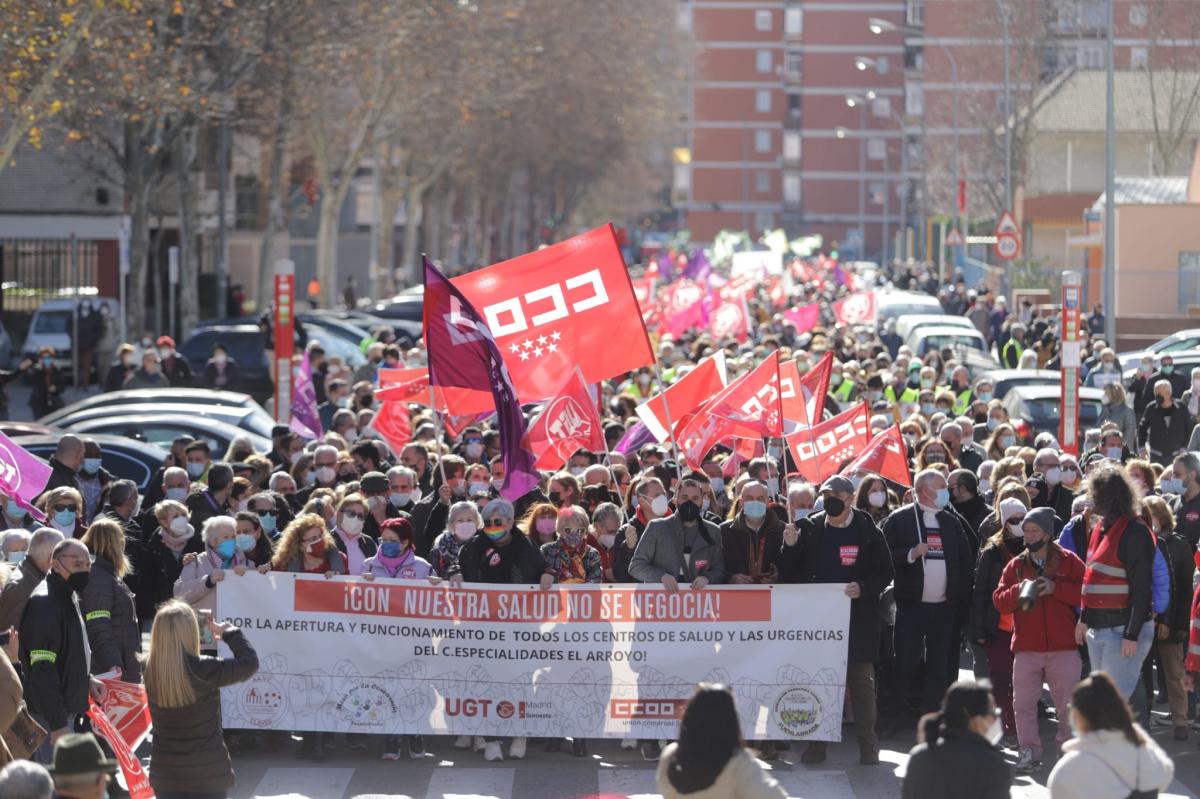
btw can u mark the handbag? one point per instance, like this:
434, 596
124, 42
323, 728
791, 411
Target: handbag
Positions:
24, 736
1134, 792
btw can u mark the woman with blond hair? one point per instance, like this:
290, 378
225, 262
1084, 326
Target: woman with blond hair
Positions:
187, 752
1116, 409
63, 507
160, 560
107, 603
1003, 436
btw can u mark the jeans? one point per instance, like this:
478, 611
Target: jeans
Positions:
922, 628
1030, 670
1104, 650
1000, 672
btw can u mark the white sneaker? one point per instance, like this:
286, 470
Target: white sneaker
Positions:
479, 743
516, 749
629, 744
462, 742
492, 753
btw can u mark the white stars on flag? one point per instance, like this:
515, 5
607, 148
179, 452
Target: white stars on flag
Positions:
534, 348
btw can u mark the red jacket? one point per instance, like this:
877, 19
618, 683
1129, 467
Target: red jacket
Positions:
1049, 626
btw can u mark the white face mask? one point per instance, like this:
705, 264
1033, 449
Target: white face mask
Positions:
478, 488
660, 505
877, 499
717, 483
1053, 475
180, 527
773, 486
326, 474
996, 731
351, 525
801, 513
464, 530
1016, 529
177, 494
607, 540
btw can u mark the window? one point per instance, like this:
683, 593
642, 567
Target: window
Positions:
1138, 16
683, 18
791, 187
1189, 280
793, 21
915, 13
762, 181
914, 100
245, 202
881, 107
762, 101
762, 141
1139, 57
793, 60
881, 64
762, 61
876, 149
762, 20
791, 145
1090, 56
794, 104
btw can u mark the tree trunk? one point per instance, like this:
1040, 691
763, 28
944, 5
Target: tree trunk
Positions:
276, 189
433, 237
414, 203
327, 241
187, 292
389, 205
446, 238
472, 202
136, 318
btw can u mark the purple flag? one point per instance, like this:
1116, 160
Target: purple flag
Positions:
303, 418
22, 475
699, 267
636, 436
463, 354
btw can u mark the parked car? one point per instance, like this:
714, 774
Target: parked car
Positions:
407, 307
407, 332
123, 457
929, 339
162, 428
52, 326
23, 429
245, 344
253, 421
1185, 362
894, 304
1004, 380
1037, 409
907, 323
1180, 340
159, 396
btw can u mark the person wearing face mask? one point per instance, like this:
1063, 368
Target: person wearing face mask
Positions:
197, 461
253, 539
462, 522
14, 517
564, 490
324, 472
934, 452
374, 487
107, 604
540, 524
471, 448
1010, 353
48, 383
1111, 757
200, 572
500, 553
348, 534
966, 500
63, 507
122, 370
403, 491
872, 498
681, 547
931, 553
93, 478
649, 501
751, 540
569, 558
1172, 623
173, 365
54, 656
1183, 482
21, 583
843, 545
65, 464
211, 500
429, 515
221, 371
1057, 497
1164, 427
606, 526
160, 560
337, 397
956, 755
801, 499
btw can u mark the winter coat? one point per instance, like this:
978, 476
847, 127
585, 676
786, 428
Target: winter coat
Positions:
985, 619
54, 655
16, 592
413, 568
623, 555
158, 568
335, 562
1104, 765
194, 586
960, 765
187, 753
444, 553
660, 551
1164, 430
1181, 563
902, 534
111, 622
742, 778
227, 380
143, 379
872, 570
1049, 626
474, 558
741, 543
1124, 418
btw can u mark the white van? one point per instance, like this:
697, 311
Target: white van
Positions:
52, 326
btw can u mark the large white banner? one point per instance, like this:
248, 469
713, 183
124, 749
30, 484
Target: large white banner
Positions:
592, 661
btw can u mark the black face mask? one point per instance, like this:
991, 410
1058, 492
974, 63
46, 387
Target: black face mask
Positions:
78, 581
556, 498
1035, 547
688, 511
1015, 545
834, 506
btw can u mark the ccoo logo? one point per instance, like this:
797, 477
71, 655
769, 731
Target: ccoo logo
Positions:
567, 424
857, 308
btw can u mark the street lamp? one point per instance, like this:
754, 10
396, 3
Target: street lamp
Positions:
860, 102
863, 63
879, 26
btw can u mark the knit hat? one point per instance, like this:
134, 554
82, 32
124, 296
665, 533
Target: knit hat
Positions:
1011, 507
1043, 518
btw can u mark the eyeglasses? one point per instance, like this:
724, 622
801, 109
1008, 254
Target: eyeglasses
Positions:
60, 508
353, 514
496, 522
1016, 520
574, 530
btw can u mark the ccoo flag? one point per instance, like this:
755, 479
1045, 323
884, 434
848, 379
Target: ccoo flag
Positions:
463, 354
569, 422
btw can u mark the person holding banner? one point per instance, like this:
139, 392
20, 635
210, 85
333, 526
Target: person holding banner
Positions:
200, 573
648, 501
751, 539
681, 547
842, 544
188, 756
463, 520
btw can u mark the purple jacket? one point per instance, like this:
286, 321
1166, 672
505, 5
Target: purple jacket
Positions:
412, 568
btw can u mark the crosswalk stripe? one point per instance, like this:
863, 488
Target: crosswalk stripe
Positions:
302, 783
634, 783
472, 783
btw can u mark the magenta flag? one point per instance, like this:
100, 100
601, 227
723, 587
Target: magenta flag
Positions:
805, 317
463, 354
23, 476
303, 418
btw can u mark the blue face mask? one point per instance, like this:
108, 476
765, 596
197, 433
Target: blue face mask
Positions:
14, 510
245, 542
390, 549
985, 396
928, 409
226, 549
64, 518
194, 470
942, 499
755, 509
268, 521
91, 465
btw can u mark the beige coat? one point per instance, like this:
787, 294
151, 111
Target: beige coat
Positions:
742, 778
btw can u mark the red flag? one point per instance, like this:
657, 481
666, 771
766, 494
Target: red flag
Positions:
647, 300
136, 779
391, 421
744, 449
777, 293
568, 422
750, 404
684, 307
564, 305
803, 398
728, 319
819, 450
805, 317
886, 456
412, 385
856, 309
685, 395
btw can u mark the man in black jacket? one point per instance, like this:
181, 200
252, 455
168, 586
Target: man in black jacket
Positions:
842, 545
208, 501
429, 515
931, 554
1058, 497
54, 645
65, 464
751, 540
1165, 425
964, 496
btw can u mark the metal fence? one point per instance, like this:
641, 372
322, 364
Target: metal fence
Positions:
35, 270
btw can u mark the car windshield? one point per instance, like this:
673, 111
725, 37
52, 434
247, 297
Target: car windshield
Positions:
947, 341
52, 322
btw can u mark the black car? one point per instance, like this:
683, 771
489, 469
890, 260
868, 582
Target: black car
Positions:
123, 457
407, 307
1037, 409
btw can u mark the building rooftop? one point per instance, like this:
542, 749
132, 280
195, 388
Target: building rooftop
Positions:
1075, 102
1147, 191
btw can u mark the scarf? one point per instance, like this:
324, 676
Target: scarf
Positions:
570, 569
393, 565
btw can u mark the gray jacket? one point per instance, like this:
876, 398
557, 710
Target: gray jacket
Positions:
661, 551
111, 621
16, 592
1125, 420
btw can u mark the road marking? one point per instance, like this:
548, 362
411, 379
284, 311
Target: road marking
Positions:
471, 783
302, 783
825, 784
634, 783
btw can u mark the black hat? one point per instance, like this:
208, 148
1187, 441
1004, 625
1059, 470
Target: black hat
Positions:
373, 482
79, 753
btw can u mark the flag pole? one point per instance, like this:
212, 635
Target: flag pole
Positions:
437, 417
667, 412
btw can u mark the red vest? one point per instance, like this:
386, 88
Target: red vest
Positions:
1193, 650
1105, 585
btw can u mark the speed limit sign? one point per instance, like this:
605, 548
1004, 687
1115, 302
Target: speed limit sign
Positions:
1008, 246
